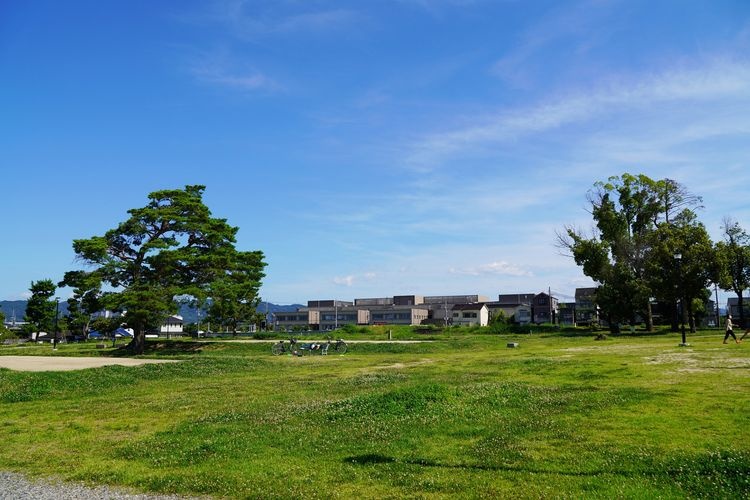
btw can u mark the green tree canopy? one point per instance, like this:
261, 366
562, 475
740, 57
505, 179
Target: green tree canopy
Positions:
733, 262
682, 262
628, 212
85, 300
171, 247
234, 294
40, 309
625, 210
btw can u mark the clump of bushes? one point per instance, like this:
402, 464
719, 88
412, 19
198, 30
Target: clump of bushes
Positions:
351, 329
426, 329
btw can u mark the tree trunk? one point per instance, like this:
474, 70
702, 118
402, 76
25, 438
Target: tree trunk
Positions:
691, 316
742, 309
649, 317
138, 344
614, 326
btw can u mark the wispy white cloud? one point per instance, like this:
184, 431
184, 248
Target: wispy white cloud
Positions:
501, 268
580, 21
253, 19
351, 279
344, 280
221, 69
437, 7
245, 82
716, 80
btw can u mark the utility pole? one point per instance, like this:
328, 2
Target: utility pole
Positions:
549, 292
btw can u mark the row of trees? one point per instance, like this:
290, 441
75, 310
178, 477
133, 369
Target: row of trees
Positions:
168, 251
648, 244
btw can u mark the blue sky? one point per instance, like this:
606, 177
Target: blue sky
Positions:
368, 148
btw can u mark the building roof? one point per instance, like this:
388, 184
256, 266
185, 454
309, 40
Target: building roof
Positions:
496, 305
515, 298
585, 292
469, 307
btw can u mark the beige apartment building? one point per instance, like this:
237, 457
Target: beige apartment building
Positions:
324, 315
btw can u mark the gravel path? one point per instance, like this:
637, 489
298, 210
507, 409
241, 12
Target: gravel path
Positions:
17, 487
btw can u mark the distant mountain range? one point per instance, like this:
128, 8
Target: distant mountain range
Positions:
190, 314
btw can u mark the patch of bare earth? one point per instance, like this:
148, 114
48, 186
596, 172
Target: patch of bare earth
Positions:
606, 348
401, 366
691, 362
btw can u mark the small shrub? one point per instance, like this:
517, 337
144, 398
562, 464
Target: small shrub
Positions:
426, 329
348, 328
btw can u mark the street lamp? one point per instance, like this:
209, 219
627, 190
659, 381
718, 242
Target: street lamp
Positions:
678, 258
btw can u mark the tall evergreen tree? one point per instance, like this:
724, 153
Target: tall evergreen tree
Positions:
40, 309
170, 247
85, 301
234, 294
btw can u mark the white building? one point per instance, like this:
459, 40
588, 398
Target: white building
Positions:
173, 324
471, 314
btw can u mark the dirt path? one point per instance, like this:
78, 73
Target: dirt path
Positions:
60, 363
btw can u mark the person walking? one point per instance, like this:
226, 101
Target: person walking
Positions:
730, 330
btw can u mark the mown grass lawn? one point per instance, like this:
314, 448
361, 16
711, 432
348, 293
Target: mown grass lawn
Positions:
463, 416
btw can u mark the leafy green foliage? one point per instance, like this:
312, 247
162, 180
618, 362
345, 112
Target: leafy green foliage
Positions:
733, 262
234, 293
641, 224
41, 309
171, 247
84, 302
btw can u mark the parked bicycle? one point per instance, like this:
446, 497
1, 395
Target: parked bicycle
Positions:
339, 346
323, 348
299, 349
282, 347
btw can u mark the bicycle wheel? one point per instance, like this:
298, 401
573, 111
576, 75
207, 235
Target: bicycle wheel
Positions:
277, 348
340, 347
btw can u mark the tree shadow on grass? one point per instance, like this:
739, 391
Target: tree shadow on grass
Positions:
707, 474
375, 458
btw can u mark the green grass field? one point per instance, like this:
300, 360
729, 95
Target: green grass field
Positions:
462, 416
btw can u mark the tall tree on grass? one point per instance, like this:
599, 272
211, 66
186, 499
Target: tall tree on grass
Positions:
733, 258
625, 210
87, 298
681, 263
40, 309
234, 294
171, 247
